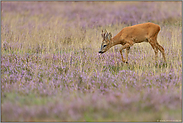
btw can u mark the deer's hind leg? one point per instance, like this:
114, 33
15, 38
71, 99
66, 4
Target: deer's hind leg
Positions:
161, 49
155, 48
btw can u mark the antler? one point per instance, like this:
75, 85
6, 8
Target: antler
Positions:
104, 34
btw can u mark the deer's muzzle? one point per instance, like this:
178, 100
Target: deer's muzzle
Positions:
100, 52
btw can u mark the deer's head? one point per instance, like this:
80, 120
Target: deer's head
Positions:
105, 42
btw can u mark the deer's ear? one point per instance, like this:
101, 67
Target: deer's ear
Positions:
102, 34
109, 36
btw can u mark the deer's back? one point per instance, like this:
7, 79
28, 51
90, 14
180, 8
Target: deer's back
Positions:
139, 32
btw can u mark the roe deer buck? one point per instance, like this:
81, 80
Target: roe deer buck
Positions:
146, 32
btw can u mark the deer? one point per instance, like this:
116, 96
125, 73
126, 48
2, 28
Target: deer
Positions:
128, 36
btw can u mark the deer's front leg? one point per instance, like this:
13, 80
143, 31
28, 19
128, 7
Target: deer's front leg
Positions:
122, 55
127, 52
127, 47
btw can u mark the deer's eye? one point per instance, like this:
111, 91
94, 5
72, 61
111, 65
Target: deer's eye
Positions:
105, 45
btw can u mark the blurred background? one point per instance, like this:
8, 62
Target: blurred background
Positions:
51, 69
92, 14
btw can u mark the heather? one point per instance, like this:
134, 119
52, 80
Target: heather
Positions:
51, 69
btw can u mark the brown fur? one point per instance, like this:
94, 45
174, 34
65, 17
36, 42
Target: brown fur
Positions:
146, 32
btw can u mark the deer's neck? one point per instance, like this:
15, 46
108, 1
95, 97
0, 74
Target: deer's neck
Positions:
115, 41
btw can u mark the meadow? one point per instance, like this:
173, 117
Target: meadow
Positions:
51, 69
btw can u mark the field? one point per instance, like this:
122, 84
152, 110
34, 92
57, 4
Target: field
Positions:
51, 69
